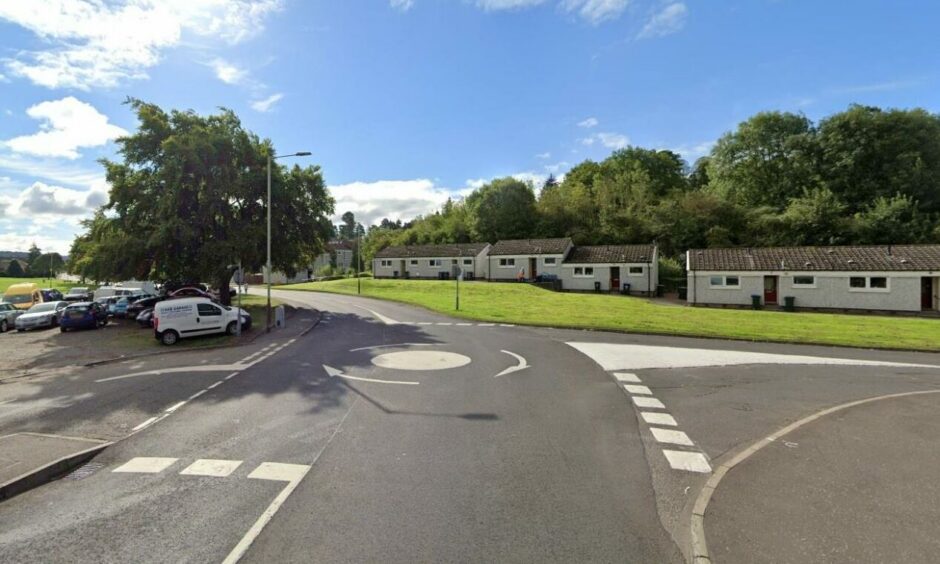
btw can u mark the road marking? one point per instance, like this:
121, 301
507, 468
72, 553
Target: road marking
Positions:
205, 368
144, 424
441, 323
627, 377
425, 323
211, 467
658, 418
197, 394
635, 389
688, 461
671, 436
394, 345
292, 474
486, 325
334, 372
465, 324
146, 465
379, 316
648, 402
173, 408
506, 325
230, 376
214, 385
523, 364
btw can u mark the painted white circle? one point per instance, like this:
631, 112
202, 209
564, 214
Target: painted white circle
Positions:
420, 360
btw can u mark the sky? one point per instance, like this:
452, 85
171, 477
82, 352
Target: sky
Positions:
405, 103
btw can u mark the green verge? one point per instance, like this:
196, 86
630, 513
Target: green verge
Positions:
529, 305
61, 285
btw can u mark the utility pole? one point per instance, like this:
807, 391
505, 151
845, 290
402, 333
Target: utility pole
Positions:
358, 260
457, 279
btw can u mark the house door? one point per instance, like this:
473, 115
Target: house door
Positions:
533, 271
614, 278
770, 290
926, 293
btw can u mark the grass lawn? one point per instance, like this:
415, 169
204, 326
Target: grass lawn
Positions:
61, 285
525, 304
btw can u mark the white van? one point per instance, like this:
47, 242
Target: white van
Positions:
179, 318
115, 291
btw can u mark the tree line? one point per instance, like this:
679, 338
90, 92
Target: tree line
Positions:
862, 176
36, 265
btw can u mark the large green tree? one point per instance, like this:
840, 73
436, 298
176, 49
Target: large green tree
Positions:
503, 209
188, 199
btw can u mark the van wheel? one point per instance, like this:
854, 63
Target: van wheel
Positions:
4, 327
232, 328
169, 337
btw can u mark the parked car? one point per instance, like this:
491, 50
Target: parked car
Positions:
51, 295
119, 308
191, 292
116, 291
107, 302
83, 315
8, 314
44, 314
190, 317
23, 296
78, 294
145, 318
134, 309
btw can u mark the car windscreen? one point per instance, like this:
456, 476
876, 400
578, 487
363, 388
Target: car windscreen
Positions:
38, 308
18, 299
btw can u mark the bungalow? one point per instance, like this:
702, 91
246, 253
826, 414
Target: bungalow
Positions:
902, 278
338, 254
527, 257
431, 261
611, 268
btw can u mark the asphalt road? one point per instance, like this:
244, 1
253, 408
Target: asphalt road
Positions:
273, 457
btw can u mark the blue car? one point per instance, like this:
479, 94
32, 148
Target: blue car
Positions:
119, 308
83, 315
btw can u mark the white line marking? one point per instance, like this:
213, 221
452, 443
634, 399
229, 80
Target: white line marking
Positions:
214, 385
394, 345
333, 372
465, 324
523, 364
440, 323
206, 368
486, 325
144, 424
230, 376
425, 323
173, 408
506, 325
627, 377
648, 402
146, 465
658, 418
292, 474
210, 467
688, 461
196, 395
671, 436
636, 389
379, 316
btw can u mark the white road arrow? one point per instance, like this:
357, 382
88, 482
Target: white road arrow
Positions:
334, 372
521, 366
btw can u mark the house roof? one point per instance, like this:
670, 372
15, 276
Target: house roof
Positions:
531, 247
610, 254
432, 251
845, 259
336, 245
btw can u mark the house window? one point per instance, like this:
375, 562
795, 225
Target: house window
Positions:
804, 281
434, 263
468, 262
507, 262
549, 261
386, 263
584, 271
725, 282
869, 284
635, 270
414, 262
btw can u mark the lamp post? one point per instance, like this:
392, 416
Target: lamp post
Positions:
271, 158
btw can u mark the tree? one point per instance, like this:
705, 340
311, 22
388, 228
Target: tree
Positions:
188, 199
347, 230
891, 220
503, 209
34, 253
47, 265
15, 269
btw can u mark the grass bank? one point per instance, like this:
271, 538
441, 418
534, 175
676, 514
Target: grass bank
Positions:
61, 285
525, 304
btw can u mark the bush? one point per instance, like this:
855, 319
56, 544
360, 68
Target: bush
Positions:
671, 274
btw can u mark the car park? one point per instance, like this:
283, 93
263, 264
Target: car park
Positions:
119, 308
83, 315
51, 295
191, 292
190, 317
43, 314
78, 294
115, 291
23, 296
134, 309
145, 318
8, 314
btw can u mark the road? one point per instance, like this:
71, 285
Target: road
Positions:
392, 434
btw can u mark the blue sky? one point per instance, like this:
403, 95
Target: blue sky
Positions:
405, 102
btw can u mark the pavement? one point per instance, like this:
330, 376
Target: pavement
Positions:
389, 433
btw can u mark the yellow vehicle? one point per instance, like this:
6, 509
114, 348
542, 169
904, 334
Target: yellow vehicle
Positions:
23, 296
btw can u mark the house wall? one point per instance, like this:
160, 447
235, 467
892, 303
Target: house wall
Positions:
831, 291
423, 269
639, 283
497, 272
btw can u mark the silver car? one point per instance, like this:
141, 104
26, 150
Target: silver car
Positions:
8, 314
45, 314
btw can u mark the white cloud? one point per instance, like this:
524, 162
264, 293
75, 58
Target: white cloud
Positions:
889, 86
499, 5
596, 11
394, 199
402, 5
692, 153
52, 170
96, 44
557, 167
267, 104
665, 22
65, 126
228, 72
543, 156
589, 123
587, 141
54, 202
613, 140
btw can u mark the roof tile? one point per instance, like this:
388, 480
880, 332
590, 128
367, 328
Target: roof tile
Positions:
839, 259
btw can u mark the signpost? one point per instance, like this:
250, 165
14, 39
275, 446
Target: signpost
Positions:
459, 274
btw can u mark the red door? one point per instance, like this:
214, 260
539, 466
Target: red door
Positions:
770, 290
614, 278
926, 293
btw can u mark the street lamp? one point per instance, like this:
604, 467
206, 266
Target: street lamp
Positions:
271, 158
